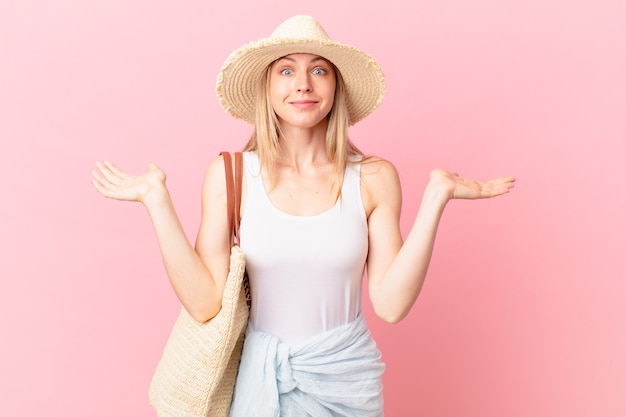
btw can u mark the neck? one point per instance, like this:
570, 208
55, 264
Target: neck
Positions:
303, 146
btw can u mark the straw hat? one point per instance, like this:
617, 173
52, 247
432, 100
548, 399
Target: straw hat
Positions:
239, 77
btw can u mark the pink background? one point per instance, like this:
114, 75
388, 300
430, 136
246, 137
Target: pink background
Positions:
524, 311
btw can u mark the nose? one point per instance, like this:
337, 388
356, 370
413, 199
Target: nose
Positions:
303, 82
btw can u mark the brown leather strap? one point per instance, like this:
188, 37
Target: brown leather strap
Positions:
233, 205
233, 193
238, 185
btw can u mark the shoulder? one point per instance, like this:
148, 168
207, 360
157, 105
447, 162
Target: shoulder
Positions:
375, 168
380, 183
214, 185
215, 170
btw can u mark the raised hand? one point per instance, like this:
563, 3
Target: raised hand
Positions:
111, 182
462, 188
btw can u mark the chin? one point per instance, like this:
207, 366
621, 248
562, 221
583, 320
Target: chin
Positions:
304, 123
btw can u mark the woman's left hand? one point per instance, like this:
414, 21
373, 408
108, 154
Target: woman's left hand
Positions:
462, 188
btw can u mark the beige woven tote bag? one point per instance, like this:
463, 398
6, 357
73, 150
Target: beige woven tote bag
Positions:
196, 374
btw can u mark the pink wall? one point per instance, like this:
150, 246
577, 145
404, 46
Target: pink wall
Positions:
523, 313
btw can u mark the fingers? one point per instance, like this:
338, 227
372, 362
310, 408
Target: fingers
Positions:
98, 176
115, 170
106, 178
110, 172
101, 185
502, 185
465, 188
486, 189
506, 183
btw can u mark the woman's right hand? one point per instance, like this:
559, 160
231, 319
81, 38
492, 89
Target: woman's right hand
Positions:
111, 182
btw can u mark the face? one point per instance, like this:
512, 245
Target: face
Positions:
302, 90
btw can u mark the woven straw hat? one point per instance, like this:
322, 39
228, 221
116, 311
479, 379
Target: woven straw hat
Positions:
239, 77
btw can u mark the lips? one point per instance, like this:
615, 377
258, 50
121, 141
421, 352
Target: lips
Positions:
303, 104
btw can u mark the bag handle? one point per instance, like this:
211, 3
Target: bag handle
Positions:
233, 206
233, 193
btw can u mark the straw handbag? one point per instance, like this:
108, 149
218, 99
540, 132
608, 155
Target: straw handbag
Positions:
196, 374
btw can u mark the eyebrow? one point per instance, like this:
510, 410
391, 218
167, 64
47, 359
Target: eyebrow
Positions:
317, 58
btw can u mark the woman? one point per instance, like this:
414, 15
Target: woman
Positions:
315, 213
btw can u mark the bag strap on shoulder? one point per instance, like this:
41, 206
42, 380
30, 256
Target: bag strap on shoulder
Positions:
233, 192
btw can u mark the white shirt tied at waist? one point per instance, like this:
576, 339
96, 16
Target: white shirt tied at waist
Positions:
337, 373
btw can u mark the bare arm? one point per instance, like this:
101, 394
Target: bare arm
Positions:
197, 275
397, 270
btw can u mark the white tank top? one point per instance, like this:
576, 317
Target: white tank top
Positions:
305, 271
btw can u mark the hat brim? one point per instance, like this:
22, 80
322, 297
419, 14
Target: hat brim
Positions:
239, 77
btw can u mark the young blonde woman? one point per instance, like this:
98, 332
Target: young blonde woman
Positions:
315, 213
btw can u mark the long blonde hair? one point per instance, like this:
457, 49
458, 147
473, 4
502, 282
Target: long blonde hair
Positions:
265, 137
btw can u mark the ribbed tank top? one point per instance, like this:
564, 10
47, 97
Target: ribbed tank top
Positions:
305, 271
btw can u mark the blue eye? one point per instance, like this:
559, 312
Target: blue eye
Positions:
319, 71
286, 72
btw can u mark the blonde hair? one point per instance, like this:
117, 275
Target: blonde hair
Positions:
265, 137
